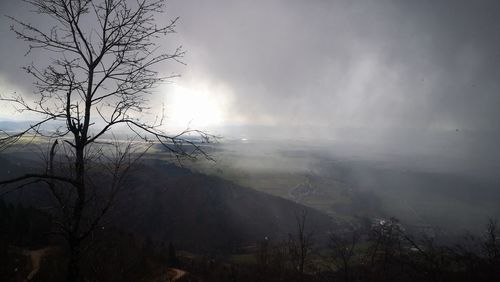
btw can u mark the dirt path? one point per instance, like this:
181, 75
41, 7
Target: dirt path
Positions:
170, 275
178, 274
35, 258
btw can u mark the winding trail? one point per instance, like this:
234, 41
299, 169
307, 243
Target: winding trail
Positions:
178, 274
35, 257
170, 274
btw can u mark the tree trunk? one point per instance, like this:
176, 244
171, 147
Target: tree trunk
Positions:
74, 241
73, 271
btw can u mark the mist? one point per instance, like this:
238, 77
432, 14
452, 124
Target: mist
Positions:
418, 81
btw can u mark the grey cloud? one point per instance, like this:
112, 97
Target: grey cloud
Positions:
351, 63
409, 64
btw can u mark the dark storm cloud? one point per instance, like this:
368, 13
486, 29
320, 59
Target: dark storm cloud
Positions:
351, 63
388, 64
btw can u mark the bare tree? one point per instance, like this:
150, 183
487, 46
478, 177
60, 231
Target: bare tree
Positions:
491, 242
387, 236
104, 58
342, 251
300, 245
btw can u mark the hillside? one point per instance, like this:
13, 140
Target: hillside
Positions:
168, 203
203, 212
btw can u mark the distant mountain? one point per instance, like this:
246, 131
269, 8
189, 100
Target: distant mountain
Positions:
9, 125
14, 126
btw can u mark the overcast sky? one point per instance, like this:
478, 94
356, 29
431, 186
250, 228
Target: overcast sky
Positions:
321, 64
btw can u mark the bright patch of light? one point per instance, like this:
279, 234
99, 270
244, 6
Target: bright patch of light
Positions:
196, 105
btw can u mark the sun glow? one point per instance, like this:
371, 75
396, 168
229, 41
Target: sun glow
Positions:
196, 105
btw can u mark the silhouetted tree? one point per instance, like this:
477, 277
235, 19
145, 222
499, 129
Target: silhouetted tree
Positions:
300, 244
491, 242
104, 58
342, 251
173, 261
263, 256
386, 237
